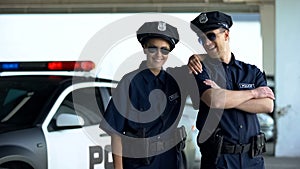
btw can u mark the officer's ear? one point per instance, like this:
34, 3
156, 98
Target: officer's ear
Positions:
145, 48
226, 35
145, 52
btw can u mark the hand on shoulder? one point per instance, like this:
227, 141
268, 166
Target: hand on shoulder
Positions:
194, 63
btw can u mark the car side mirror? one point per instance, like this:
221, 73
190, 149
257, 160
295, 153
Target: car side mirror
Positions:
67, 121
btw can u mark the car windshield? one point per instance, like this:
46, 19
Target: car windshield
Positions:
22, 99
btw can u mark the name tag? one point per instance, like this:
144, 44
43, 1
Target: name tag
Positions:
246, 86
173, 96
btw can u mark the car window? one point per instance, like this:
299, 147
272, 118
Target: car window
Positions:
12, 100
22, 100
86, 103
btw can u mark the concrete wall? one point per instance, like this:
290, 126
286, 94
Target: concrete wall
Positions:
267, 19
287, 77
124, 6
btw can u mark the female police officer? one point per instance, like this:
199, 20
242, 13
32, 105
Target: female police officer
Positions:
142, 116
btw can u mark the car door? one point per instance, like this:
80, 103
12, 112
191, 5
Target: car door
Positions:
74, 139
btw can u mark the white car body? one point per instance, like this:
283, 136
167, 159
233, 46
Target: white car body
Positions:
66, 136
74, 144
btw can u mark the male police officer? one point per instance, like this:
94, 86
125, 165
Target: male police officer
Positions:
144, 133
231, 93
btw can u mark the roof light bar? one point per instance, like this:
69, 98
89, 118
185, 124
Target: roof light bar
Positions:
9, 66
47, 66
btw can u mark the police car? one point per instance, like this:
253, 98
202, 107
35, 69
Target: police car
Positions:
50, 114
51, 119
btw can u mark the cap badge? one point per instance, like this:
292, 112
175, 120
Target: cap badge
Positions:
162, 26
203, 18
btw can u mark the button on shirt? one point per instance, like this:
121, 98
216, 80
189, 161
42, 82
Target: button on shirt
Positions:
237, 126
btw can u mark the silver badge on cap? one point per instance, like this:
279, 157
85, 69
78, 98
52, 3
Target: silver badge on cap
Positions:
203, 18
162, 26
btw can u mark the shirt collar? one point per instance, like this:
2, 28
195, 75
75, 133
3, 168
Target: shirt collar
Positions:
234, 62
217, 62
149, 76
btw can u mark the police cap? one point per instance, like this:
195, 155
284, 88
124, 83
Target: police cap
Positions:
158, 29
207, 21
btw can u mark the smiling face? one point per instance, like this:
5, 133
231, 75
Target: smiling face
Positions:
157, 51
215, 42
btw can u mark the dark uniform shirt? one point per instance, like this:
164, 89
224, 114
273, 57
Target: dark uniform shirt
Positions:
236, 125
129, 118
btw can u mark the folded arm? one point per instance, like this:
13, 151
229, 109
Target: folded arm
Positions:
259, 100
264, 105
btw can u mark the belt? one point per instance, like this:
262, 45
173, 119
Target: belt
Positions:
161, 144
235, 148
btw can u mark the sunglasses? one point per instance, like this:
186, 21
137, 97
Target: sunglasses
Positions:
210, 36
154, 49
